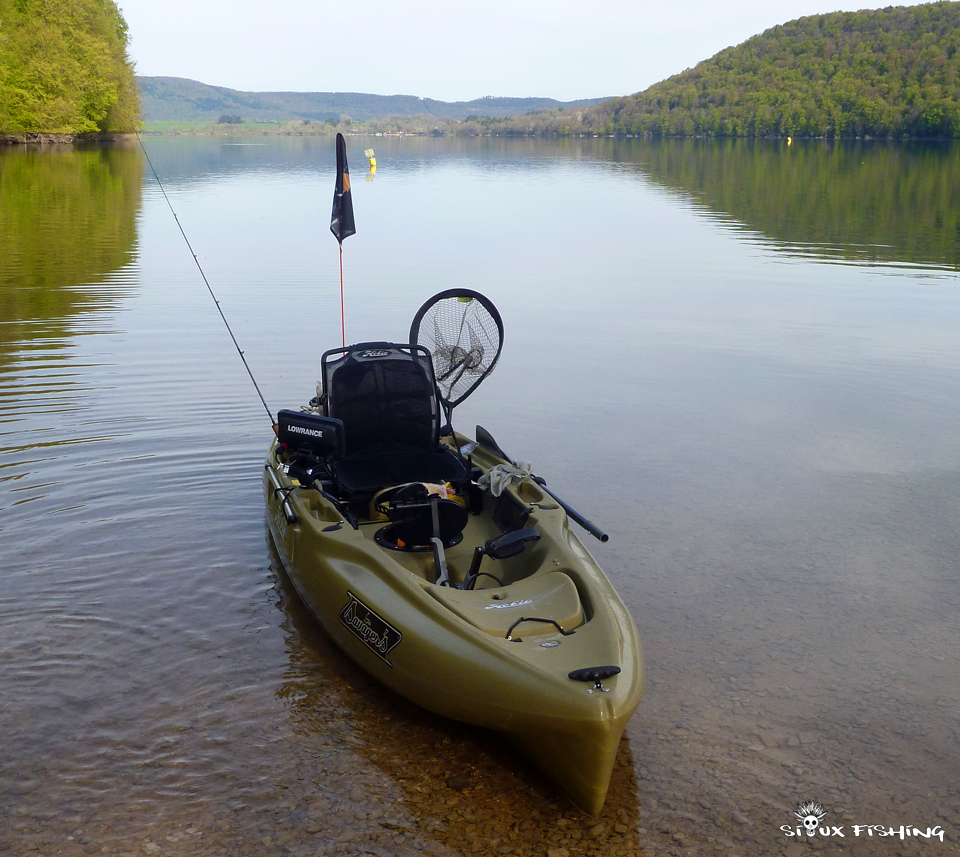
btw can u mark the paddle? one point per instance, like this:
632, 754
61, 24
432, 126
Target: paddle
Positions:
484, 438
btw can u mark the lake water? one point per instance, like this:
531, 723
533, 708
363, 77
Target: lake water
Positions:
741, 359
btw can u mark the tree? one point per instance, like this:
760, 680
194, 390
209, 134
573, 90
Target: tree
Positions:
64, 68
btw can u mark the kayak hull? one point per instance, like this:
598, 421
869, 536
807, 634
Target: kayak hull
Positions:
453, 651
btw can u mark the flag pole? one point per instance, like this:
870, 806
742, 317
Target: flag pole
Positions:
341, 219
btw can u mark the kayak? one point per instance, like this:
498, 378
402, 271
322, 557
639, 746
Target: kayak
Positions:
448, 571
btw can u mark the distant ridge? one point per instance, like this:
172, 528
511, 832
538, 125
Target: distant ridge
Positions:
180, 99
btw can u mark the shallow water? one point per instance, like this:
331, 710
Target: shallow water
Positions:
741, 361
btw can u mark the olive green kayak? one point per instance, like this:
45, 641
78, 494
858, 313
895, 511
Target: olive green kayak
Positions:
498, 655
444, 569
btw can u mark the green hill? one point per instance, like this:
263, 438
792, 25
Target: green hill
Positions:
64, 68
176, 98
893, 72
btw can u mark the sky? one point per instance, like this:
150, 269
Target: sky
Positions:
563, 49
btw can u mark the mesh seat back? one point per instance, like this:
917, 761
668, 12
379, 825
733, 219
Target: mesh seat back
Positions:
385, 396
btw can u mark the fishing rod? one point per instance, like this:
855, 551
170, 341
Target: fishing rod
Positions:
246, 366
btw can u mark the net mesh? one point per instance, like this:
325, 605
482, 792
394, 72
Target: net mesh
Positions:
464, 334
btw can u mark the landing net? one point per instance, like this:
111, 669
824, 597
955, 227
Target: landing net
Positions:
464, 333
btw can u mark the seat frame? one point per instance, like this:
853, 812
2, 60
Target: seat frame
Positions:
408, 450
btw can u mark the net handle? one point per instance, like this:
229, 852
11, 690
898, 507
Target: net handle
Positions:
487, 304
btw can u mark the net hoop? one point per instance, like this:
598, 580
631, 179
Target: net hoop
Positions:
463, 331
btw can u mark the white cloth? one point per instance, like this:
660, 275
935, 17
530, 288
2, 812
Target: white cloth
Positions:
498, 478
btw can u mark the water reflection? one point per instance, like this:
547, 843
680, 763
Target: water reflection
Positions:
192, 159
68, 222
841, 201
863, 201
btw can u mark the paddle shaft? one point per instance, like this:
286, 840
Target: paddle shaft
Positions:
572, 513
486, 439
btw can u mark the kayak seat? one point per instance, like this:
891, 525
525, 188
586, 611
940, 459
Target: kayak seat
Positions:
385, 396
552, 596
364, 473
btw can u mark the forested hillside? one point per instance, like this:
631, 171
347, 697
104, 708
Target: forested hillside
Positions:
64, 68
894, 72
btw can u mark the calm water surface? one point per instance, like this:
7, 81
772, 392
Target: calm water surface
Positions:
741, 359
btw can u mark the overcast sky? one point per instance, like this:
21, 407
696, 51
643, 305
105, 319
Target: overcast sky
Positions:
563, 49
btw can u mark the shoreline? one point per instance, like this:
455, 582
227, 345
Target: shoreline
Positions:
52, 139
49, 139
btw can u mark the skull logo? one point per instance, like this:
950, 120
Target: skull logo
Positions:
810, 814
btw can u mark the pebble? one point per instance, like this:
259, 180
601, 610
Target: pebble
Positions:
596, 831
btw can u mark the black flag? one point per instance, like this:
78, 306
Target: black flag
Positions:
341, 220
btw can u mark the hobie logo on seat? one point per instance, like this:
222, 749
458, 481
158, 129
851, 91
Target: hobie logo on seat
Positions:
375, 352
373, 631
